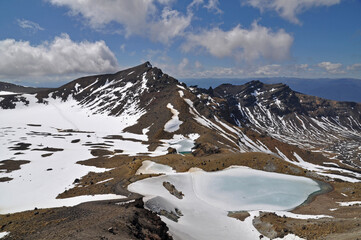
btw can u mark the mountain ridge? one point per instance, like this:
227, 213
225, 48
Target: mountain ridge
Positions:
146, 98
339, 89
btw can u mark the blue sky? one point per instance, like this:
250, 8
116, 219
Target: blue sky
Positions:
54, 41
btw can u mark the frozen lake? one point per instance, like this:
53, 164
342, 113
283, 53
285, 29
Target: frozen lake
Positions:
209, 196
246, 189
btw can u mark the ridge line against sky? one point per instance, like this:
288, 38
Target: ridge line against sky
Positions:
58, 40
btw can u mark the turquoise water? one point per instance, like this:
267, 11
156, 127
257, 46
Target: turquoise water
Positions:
251, 190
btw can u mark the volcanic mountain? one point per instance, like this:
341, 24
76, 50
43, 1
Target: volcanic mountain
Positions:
108, 124
156, 105
309, 122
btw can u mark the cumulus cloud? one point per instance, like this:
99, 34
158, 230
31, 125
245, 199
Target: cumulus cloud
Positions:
333, 68
61, 56
289, 9
240, 43
27, 24
137, 17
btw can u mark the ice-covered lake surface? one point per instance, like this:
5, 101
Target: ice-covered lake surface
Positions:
209, 196
245, 189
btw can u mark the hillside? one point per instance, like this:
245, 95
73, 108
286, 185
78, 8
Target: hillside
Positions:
90, 139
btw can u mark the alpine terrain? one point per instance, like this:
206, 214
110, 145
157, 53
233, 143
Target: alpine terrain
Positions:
139, 155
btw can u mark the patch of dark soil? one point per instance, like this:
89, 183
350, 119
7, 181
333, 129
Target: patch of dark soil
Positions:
72, 131
48, 149
205, 149
47, 154
92, 220
34, 133
5, 179
98, 145
101, 152
172, 150
242, 215
12, 165
34, 125
118, 137
20, 146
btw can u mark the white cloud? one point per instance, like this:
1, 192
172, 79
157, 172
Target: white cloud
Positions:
171, 25
61, 56
195, 3
213, 6
198, 65
302, 66
289, 9
269, 70
248, 44
27, 24
122, 47
189, 69
183, 65
137, 17
334, 68
354, 67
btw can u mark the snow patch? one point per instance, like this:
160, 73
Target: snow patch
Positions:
181, 93
4, 234
347, 204
4, 93
150, 167
173, 125
106, 180
124, 203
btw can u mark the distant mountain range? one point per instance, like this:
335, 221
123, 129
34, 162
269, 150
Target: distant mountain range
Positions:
343, 89
13, 88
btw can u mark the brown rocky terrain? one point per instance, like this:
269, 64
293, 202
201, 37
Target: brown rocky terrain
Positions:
116, 219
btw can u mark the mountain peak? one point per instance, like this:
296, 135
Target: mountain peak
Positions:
146, 64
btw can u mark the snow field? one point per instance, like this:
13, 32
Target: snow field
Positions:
38, 183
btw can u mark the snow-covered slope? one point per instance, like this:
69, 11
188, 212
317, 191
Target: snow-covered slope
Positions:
145, 102
309, 122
